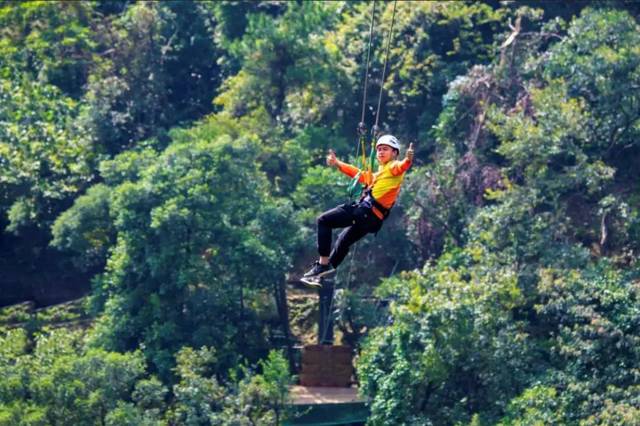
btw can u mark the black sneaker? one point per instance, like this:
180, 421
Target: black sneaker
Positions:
311, 282
319, 270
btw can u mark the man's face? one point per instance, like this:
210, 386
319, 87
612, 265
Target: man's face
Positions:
385, 154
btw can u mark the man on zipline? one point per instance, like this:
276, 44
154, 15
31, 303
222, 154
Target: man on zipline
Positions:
365, 216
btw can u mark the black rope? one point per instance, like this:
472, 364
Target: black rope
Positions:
330, 312
384, 69
327, 319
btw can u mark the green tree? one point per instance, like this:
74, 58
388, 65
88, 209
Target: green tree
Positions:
537, 405
590, 318
453, 350
198, 395
263, 398
284, 65
58, 381
198, 239
45, 158
86, 229
158, 70
51, 42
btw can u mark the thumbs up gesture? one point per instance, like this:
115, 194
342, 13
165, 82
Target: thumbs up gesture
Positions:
409, 154
331, 158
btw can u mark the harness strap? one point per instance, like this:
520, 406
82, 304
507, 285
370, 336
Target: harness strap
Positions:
384, 210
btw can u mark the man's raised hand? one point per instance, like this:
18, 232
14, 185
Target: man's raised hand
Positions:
409, 155
331, 158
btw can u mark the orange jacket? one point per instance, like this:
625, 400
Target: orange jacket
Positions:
384, 184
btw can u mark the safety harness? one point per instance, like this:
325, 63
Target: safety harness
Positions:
367, 198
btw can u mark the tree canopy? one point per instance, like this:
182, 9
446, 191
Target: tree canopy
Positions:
166, 161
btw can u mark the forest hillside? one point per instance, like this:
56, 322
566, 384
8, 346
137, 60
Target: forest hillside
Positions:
162, 165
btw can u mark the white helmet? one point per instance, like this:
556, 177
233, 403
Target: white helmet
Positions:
389, 140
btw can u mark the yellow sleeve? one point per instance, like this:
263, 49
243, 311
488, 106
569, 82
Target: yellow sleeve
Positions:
399, 167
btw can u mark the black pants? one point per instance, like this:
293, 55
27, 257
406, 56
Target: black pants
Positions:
357, 220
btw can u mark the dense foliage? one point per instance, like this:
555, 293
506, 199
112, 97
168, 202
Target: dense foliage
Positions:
166, 160
532, 318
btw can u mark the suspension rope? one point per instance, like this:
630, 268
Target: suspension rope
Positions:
362, 128
384, 69
366, 71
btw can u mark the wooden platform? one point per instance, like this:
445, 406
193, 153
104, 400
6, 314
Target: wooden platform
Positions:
325, 406
307, 395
